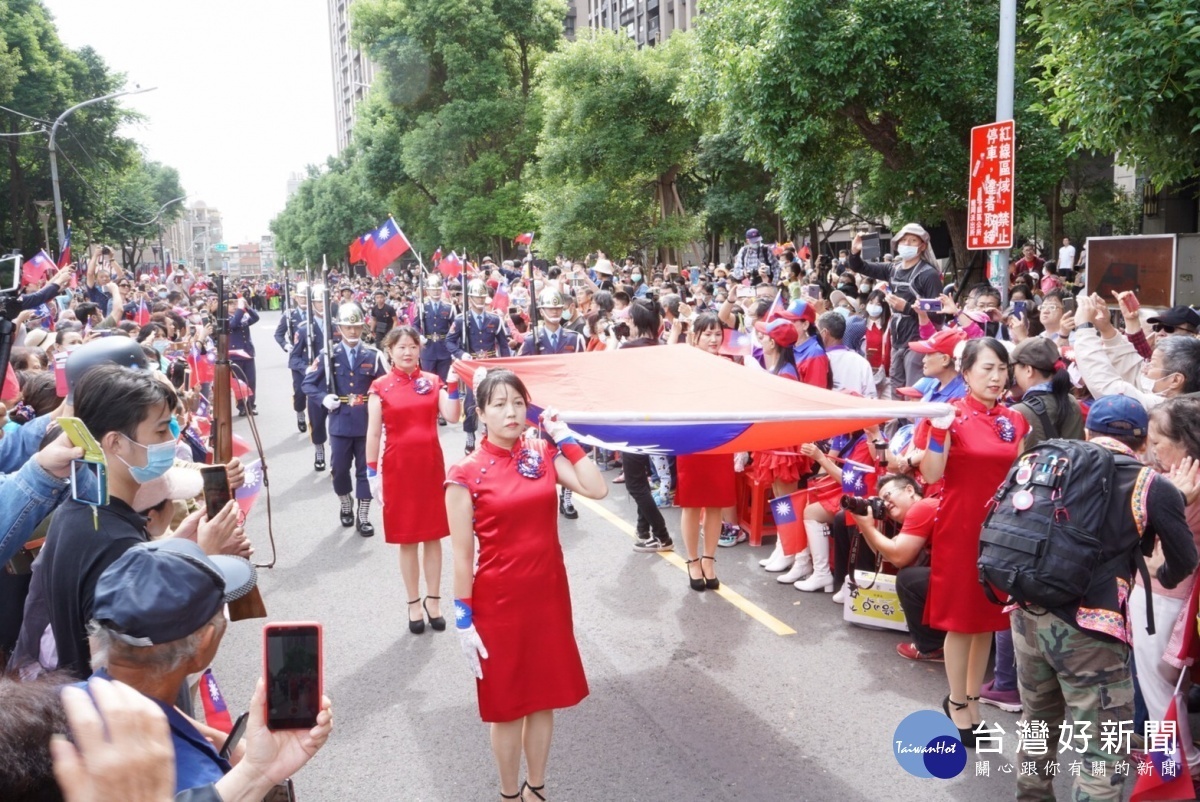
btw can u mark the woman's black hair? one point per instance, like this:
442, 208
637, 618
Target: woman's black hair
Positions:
151, 327
972, 352
705, 321
887, 309
645, 318
786, 355
112, 398
1060, 388
38, 390
903, 480
393, 337
1178, 419
496, 379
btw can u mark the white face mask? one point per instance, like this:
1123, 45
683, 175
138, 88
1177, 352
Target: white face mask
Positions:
1148, 384
636, 276
874, 310
907, 252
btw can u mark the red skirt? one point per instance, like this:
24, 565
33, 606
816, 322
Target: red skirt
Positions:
706, 480
779, 465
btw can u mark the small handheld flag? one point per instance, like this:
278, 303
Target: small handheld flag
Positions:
788, 512
736, 343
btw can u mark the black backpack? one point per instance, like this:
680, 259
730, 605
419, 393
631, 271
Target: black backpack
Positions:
1052, 526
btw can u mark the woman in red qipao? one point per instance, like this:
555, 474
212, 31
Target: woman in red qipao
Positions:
972, 450
402, 412
514, 610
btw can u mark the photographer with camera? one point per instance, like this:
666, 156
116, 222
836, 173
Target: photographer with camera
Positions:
902, 500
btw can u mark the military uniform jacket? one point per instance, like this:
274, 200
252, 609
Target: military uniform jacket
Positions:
239, 330
352, 380
300, 357
490, 339
569, 342
289, 322
434, 321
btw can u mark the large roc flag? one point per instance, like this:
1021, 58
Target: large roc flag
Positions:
681, 400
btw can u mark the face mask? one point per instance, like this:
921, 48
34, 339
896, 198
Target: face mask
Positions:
874, 310
907, 252
162, 294
159, 459
566, 316
636, 277
1148, 384
161, 345
844, 312
174, 427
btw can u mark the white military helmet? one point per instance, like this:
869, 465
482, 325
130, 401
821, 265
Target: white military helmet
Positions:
477, 289
550, 299
350, 315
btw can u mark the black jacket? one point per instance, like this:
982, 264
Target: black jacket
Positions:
923, 280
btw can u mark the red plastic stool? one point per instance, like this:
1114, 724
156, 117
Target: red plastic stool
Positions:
753, 511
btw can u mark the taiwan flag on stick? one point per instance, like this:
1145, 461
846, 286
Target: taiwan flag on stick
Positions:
216, 712
64, 255
736, 343
1168, 776
356, 250
854, 481
142, 315
37, 268
247, 494
437, 257
788, 512
524, 239
501, 301
451, 266
388, 245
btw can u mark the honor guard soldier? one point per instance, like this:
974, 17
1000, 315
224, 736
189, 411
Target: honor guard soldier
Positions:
434, 321
554, 338
300, 358
355, 365
485, 337
241, 317
285, 334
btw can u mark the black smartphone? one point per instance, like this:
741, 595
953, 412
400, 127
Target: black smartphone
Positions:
235, 735
216, 489
870, 247
1068, 304
292, 667
1018, 308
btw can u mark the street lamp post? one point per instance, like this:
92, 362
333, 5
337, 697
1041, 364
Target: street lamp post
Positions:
58, 213
43, 213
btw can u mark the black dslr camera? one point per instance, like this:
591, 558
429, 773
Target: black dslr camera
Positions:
872, 506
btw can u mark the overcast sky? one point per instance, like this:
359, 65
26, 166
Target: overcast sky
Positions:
244, 96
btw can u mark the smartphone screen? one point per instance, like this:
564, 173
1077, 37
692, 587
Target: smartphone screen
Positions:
813, 291
10, 272
89, 482
929, 304
1018, 308
235, 735
216, 489
870, 247
292, 658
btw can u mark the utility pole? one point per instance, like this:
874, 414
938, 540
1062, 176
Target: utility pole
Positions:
1004, 109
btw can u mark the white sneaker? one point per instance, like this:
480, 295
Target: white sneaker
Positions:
820, 580
840, 596
801, 567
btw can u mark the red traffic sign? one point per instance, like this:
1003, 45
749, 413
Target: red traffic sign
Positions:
990, 196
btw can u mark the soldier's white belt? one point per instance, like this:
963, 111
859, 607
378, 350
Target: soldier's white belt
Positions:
483, 355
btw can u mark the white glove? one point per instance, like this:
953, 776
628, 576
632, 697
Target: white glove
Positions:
740, 460
331, 402
479, 375
376, 484
944, 422
553, 426
473, 650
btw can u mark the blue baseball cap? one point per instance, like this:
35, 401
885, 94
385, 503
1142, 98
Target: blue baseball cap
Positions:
166, 590
104, 351
1118, 414
753, 236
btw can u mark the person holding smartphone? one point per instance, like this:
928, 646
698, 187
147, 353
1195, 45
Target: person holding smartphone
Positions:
241, 318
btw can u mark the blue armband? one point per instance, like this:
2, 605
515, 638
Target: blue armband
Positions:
463, 617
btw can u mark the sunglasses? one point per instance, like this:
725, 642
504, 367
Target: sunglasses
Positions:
1159, 327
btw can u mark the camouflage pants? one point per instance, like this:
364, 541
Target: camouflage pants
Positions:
1059, 668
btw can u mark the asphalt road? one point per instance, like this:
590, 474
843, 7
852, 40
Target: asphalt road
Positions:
692, 697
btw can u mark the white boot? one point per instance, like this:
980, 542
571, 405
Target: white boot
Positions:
801, 567
778, 561
818, 546
776, 554
840, 596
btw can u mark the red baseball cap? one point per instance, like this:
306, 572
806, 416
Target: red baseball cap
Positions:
798, 310
942, 342
781, 331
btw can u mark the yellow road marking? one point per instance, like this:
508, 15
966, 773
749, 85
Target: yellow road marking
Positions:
725, 592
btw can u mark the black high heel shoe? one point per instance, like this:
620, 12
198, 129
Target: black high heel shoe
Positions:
533, 789
418, 626
693, 582
438, 622
965, 734
517, 795
714, 583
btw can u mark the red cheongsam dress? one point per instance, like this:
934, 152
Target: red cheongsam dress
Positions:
521, 601
414, 471
984, 443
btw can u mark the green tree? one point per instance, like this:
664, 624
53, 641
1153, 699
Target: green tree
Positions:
1125, 79
613, 147
879, 95
129, 216
454, 110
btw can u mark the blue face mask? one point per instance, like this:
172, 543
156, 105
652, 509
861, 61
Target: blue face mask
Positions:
159, 459
174, 427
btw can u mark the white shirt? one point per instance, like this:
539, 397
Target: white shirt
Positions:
851, 371
1066, 256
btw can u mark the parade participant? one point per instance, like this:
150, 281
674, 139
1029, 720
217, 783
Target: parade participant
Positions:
285, 334
914, 276
707, 482
942, 381
434, 321
305, 347
811, 363
513, 613
970, 449
402, 409
554, 338
383, 317
354, 365
476, 334
241, 318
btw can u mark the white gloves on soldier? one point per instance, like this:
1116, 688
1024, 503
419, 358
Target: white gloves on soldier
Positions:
331, 402
473, 649
944, 422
